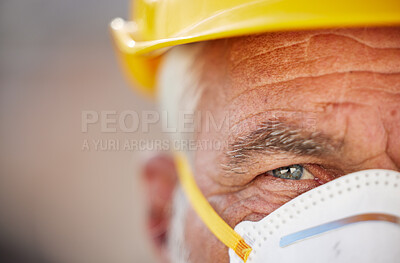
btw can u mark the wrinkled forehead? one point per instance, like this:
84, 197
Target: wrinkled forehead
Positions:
284, 62
315, 80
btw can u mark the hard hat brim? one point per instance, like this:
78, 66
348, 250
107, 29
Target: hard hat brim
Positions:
189, 23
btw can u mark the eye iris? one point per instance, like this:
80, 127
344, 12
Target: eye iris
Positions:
293, 172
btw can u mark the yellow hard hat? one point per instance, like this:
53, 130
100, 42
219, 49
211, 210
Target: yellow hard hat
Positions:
158, 24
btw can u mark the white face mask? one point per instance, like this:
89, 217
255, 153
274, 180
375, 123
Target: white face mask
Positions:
355, 218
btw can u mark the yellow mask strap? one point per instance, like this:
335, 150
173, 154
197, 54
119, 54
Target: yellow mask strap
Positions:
204, 210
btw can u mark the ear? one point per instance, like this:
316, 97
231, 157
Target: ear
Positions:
160, 179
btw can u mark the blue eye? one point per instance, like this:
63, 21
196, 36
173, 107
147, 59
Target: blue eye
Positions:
292, 172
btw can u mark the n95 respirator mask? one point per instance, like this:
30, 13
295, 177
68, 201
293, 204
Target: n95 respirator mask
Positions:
354, 218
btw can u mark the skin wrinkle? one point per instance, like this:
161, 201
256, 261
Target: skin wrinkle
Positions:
235, 65
242, 202
248, 204
286, 195
264, 199
394, 43
254, 217
395, 93
308, 40
293, 63
239, 56
387, 143
306, 52
386, 135
307, 43
299, 62
346, 85
308, 77
370, 158
276, 72
385, 152
319, 105
364, 103
367, 51
358, 104
343, 105
227, 189
311, 77
258, 188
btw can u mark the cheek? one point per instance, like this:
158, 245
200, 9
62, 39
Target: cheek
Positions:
264, 195
201, 244
261, 197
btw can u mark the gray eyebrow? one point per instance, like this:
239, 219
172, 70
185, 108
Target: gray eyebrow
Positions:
277, 136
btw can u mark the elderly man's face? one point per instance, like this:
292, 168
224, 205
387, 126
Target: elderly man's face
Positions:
326, 100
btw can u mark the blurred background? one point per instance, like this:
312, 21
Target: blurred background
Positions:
59, 204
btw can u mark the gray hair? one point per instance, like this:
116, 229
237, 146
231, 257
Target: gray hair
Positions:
178, 83
179, 90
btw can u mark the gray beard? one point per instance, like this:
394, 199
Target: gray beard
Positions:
176, 239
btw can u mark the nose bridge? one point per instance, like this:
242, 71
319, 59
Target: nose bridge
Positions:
374, 141
372, 138
393, 149
391, 122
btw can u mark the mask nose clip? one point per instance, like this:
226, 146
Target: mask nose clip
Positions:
317, 230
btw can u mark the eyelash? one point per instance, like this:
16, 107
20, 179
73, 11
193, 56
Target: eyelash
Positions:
292, 172
317, 172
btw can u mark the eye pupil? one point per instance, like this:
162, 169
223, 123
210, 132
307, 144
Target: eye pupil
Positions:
293, 172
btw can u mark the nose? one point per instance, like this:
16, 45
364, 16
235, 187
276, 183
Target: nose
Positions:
372, 139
